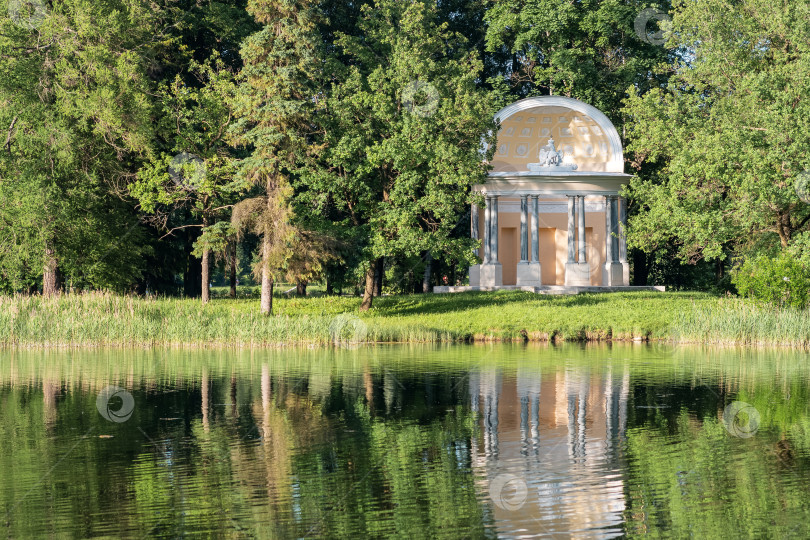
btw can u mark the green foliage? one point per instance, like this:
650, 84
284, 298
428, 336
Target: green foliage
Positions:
586, 50
192, 184
781, 280
75, 114
399, 133
728, 135
214, 238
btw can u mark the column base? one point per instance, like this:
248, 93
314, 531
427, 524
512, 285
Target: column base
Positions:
475, 275
491, 275
625, 273
613, 275
528, 274
578, 274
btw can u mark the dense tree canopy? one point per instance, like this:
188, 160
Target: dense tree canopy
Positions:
400, 135
341, 139
729, 133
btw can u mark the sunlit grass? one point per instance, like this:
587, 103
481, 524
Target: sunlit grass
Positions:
105, 319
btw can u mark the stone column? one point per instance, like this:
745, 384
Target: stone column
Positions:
611, 272
475, 269
571, 220
490, 272
524, 228
534, 231
528, 272
623, 241
487, 229
582, 256
474, 222
609, 256
494, 233
577, 269
622, 227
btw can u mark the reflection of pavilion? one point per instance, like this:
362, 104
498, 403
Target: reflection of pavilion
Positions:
562, 435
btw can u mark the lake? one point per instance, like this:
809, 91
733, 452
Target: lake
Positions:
462, 441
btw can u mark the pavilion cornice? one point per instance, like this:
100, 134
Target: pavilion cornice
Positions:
554, 184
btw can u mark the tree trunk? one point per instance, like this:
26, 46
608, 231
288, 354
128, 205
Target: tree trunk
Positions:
784, 228
267, 278
368, 293
206, 277
428, 270
232, 294
267, 292
50, 274
379, 270
330, 286
301, 288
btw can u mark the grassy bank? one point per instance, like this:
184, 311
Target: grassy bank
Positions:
105, 319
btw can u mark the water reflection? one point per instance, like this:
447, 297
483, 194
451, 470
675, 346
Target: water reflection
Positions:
454, 442
561, 436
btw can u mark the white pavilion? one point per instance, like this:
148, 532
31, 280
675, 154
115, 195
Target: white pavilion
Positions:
553, 218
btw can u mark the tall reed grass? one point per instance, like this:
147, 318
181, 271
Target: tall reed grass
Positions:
104, 319
741, 322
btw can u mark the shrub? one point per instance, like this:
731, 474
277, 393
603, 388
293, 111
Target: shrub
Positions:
780, 280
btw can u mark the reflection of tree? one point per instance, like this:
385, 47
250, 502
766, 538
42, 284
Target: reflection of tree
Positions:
381, 479
701, 482
288, 445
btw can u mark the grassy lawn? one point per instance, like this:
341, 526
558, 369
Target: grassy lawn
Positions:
106, 319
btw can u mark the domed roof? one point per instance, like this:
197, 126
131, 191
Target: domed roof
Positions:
581, 133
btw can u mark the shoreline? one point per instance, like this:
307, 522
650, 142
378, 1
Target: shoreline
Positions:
105, 320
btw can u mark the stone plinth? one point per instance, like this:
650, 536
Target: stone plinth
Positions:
528, 274
475, 275
578, 274
491, 275
613, 275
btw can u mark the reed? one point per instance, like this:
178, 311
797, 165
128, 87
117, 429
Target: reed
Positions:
739, 322
104, 319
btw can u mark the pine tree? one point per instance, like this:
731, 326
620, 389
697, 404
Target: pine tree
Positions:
273, 106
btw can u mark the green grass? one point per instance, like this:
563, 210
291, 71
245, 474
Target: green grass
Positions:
101, 319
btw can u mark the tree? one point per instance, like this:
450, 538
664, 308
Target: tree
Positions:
273, 105
586, 50
728, 135
199, 178
73, 98
399, 136
310, 252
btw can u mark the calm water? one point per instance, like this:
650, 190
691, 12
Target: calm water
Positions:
458, 442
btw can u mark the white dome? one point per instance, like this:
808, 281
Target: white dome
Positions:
581, 132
